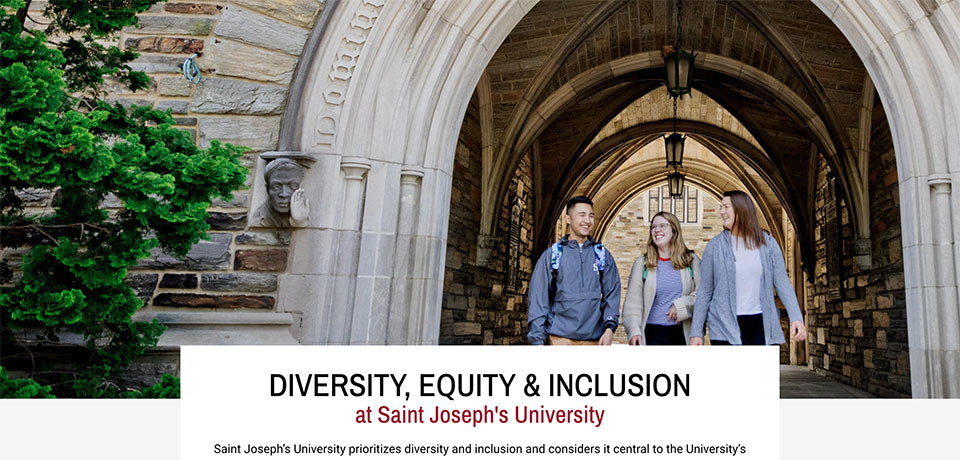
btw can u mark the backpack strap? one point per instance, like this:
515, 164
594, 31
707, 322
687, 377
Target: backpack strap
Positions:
600, 262
556, 252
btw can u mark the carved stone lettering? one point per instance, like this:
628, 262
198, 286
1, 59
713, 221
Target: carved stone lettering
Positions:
334, 95
326, 124
341, 71
343, 67
353, 40
363, 21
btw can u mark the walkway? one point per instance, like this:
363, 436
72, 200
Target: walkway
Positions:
799, 382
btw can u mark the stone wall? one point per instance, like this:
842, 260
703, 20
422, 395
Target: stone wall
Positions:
479, 306
857, 319
239, 99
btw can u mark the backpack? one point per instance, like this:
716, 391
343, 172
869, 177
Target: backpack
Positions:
689, 267
600, 262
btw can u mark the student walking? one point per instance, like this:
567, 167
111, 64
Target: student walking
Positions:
574, 293
741, 267
662, 287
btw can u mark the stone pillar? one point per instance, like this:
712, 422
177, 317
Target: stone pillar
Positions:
398, 330
354, 169
348, 252
944, 323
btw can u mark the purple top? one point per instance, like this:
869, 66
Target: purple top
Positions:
669, 288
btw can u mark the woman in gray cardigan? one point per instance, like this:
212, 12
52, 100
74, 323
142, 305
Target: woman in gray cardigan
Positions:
662, 287
740, 269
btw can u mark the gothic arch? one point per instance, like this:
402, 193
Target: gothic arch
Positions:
626, 184
579, 86
730, 148
384, 148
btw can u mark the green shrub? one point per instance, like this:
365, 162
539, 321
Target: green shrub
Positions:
57, 133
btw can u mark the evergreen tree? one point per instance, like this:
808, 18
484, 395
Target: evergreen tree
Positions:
57, 133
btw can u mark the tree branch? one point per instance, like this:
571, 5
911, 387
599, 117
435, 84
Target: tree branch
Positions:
22, 13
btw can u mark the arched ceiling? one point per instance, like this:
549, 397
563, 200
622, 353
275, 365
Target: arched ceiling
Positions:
657, 105
644, 169
785, 78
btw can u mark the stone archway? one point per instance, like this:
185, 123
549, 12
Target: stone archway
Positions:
392, 80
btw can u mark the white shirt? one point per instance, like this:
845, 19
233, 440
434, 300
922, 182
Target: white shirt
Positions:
749, 273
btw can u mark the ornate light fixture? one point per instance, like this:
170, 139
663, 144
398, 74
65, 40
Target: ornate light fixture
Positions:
675, 182
673, 144
678, 62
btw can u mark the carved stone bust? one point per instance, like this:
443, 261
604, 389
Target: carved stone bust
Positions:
285, 206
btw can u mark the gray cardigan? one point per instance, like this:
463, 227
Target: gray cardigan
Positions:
717, 293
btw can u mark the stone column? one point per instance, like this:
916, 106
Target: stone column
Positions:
348, 251
354, 169
398, 329
944, 322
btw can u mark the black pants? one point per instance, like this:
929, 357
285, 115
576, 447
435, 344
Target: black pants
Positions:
665, 335
751, 331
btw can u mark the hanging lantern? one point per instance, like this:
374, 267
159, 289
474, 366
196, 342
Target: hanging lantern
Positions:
679, 67
677, 62
674, 148
675, 183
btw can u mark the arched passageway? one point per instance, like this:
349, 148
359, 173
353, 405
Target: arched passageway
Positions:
452, 127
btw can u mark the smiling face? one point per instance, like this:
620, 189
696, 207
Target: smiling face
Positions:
661, 232
727, 215
580, 220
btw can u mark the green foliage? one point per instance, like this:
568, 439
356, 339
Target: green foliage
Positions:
57, 134
167, 388
22, 388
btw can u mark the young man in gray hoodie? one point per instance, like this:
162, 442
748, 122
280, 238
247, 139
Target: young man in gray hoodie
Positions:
574, 296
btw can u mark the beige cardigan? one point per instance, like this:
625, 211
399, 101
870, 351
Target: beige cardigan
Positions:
640, 296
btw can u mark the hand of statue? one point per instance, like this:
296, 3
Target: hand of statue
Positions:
299, 209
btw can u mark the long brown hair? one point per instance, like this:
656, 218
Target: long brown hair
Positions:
745, 225
680, 255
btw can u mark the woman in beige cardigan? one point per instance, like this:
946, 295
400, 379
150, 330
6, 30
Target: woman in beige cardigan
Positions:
662, 287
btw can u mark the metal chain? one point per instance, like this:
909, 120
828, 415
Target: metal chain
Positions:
679, 25
674, 114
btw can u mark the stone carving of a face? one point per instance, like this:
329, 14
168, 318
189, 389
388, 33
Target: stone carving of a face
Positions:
282, 180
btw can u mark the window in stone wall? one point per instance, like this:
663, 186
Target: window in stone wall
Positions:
692, 209
654, 206
513, 245
686, 207
832, 236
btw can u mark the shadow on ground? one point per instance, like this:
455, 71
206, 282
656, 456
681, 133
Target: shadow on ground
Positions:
799, 382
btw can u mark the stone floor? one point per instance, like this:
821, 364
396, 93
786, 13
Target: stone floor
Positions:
799, 382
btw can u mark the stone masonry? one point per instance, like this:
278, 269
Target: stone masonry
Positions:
857, 320
478, 309
239, 99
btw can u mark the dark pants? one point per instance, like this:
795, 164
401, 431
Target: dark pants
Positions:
751, 331
665, 335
